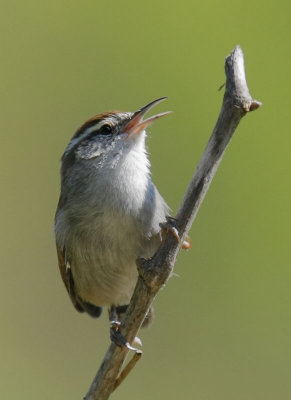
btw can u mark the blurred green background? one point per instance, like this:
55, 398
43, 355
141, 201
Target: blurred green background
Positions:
222, 329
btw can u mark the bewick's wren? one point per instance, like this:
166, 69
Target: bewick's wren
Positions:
109, 212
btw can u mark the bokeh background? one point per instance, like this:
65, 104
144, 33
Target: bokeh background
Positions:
222, 329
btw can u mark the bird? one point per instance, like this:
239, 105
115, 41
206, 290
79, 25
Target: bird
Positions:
109, 213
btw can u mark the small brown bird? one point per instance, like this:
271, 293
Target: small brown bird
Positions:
109, 212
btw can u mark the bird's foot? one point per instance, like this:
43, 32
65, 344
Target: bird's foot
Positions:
117, 337
115, 334
169, 226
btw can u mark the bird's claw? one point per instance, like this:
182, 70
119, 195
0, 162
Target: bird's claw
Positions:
117, 337
169, 226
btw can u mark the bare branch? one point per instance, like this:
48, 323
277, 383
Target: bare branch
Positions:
154, 272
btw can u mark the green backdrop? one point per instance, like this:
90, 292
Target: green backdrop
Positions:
222, 328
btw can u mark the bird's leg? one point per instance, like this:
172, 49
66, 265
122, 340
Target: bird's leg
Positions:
115, 334
169, 226
117, 337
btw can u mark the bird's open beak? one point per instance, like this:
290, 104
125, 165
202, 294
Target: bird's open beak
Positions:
137, 124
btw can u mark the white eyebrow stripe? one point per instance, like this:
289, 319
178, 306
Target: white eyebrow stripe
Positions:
78, 139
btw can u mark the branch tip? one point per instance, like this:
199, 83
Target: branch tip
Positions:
255, 105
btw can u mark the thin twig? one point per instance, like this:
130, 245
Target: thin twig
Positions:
154, 272
126, 370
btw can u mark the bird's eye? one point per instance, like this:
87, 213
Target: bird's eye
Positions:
105, 129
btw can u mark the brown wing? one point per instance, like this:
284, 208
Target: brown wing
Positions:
67, 277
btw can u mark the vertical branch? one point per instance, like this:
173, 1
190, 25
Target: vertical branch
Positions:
154, 272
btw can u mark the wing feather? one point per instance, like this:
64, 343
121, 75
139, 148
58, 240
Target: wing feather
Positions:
67, 277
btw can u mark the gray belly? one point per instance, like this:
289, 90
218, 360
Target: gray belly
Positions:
106, 279
103, 259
